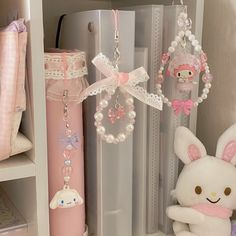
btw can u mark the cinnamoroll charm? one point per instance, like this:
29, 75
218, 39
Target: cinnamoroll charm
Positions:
66, 198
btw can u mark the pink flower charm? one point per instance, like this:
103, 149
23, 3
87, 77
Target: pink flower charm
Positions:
165, 58
207, 78
116, 113
203, 58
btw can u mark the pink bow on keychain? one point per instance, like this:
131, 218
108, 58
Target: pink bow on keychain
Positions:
128, 82
182, 106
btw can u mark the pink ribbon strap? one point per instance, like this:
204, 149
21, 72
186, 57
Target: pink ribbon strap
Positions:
182, 106
213, 210
126, 81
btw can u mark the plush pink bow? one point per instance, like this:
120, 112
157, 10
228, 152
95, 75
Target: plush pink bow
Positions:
182, 106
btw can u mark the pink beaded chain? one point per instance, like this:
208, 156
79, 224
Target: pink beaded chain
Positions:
184, 67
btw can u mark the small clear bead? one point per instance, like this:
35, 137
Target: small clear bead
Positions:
67, 162
69, 147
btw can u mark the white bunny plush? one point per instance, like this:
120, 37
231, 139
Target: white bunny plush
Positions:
206, 188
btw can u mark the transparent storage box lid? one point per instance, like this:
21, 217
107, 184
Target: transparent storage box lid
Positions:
10, 218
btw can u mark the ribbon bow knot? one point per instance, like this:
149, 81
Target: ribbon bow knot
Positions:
182, 106
126, 81
123, 78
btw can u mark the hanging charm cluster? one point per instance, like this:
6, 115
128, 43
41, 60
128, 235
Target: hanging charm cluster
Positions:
67, 198
185, 67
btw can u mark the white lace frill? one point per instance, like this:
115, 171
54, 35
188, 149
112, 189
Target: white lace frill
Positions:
111, 83
65, 70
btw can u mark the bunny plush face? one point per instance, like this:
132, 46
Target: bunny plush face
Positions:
204, 179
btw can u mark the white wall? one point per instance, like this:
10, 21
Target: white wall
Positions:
219, 40
53, 9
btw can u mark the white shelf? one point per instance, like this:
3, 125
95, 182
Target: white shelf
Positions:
17, 167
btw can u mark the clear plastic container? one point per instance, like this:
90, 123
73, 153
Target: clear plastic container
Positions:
11, 221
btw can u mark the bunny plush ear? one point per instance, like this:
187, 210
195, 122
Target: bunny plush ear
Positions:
226, 146
187, 147
54, 201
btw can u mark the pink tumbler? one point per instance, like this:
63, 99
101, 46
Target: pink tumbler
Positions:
65, 71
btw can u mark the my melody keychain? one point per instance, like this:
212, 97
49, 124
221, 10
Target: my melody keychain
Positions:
118, 84
185, 67
66, 197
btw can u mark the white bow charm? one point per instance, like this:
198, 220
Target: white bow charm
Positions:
125, 81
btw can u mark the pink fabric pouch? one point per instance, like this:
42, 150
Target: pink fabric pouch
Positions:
65, 70
13, 40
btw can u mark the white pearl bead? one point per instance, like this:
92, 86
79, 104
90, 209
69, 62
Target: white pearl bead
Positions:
129, 128
169, 104
174, 44
198, 48
166, 100
69, 147
183, 15
67, 178
188, 33
101, 130
200, 100
162, 68
162, 96
195, 104
110, 138
103, 103
121, 137
208, 85
195, 43
207, 67
191, 37
98, 116
171, 49
204, 96
206, 91
177, 39
159, 86
132, 114
181, 34
130, 101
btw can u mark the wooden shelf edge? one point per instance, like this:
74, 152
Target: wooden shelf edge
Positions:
17, 167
